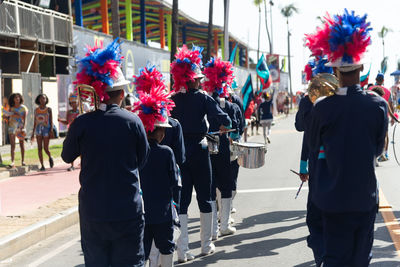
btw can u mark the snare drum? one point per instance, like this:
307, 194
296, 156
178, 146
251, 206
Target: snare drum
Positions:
213, 143
250, 155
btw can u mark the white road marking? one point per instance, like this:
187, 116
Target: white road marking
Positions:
279, 189
53, 253
264, 190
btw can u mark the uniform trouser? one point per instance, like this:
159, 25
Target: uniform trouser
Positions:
163, 236
196, 171
348, 238
234, 173
112, 243
221, 175
315, 238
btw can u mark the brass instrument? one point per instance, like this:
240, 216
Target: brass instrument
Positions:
324, 84
88, 99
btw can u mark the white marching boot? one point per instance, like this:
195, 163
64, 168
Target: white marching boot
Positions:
154, 256
182, 250
226, 228
233, 210
207, 246
167, 260
215, 228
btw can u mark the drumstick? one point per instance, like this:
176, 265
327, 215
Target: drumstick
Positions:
301, 185
219, 132
298, 191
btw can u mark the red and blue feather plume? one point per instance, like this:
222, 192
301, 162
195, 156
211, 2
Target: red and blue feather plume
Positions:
153, 106
344, 38
184, 66
148, 77
218, 76
99, 67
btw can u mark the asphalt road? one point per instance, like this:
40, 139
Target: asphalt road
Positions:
270, 222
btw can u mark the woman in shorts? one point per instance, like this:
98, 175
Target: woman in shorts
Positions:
16, 125
43, 127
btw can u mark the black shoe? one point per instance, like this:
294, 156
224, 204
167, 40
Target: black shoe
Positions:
42, 169
51, 162
71, 168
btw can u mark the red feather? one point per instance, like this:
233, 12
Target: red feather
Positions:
147, 79
219, 74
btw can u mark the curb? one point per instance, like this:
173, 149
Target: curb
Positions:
23, 170
24, 238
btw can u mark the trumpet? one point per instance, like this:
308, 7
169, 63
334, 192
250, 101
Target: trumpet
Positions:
324, 84
88, 100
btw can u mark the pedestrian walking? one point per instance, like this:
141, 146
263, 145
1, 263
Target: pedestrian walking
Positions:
113, 147
161, 170
43, 128
345, 182
266, 110
192, 106
16, 125
71, 116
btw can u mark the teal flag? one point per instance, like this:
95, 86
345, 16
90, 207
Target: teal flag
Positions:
247, 93
232, 57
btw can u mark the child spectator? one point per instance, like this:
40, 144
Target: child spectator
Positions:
71, 115
42, 127
16, 125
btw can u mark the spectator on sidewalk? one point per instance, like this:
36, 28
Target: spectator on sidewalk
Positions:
42, 127
5, 113
71, 115
16, 125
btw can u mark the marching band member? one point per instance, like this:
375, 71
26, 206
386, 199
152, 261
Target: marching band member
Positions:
113, 147
351, 126
173, 138
307, 162
191, 108
219, 76
160, 169
234, 170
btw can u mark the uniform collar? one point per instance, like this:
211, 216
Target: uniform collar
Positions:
343, 91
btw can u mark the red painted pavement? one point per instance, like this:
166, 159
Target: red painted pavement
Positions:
23, 194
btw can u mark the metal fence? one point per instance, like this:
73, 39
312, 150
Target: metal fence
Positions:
21, 19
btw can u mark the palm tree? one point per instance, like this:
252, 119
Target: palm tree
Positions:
258, 4
382, 34
174, 35
266, 26
210, 27
287, 12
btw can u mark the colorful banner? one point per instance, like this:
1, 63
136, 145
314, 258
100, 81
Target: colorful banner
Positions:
273, 66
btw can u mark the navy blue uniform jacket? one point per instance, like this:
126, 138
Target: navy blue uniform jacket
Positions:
302, 123
174, 139
158, 179
113, 147
352, 127
190, 110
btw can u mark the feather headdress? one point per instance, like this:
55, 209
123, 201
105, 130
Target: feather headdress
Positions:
344, 39
148, 77
315, 66
154, 107
219, 76
100, 68
186, 66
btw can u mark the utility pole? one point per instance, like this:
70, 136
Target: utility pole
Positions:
115, 19
210, 34
272, 33
290, 71
226, 30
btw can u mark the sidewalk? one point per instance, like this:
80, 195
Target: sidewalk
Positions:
36, 206
5, 172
